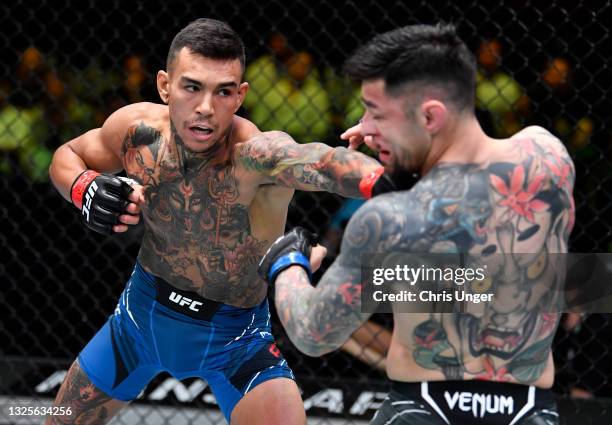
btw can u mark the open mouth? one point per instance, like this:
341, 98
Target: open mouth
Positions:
384, 155
499, 341
201, 130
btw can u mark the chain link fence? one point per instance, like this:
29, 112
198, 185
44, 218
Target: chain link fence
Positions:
65, 68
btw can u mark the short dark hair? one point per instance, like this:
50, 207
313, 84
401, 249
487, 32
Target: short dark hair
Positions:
209, 38
428, 54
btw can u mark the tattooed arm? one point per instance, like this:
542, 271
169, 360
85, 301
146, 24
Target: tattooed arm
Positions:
319, 320
311, 166
98, 149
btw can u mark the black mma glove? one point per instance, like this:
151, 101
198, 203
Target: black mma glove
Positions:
291, 249
379, 182
102, 198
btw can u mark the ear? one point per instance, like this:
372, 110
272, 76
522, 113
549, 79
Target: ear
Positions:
163, 83
242, 91
435, 115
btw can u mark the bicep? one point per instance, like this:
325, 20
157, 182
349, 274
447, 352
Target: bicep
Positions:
84, 152
279, 159
101, 148
368, 231
272, 152
96, 151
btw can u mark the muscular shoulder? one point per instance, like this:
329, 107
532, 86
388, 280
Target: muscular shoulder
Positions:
244, 129
544, 139
151, 115
266, 142
260, 151
382, 224
547, 154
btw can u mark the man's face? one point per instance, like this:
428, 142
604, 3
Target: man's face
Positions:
203, 95
397, 133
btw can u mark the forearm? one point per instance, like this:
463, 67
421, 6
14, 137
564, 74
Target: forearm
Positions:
294, 298
65, 167
310, 166
317, 320
340, 170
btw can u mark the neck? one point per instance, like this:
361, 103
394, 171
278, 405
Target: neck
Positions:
190, 162
461, 141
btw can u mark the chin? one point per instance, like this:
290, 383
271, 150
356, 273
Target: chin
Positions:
392, 167
199, 145
389, 168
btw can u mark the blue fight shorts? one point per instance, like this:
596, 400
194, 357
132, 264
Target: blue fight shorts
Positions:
158, 328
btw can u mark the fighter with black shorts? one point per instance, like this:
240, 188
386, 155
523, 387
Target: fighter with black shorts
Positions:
477, 197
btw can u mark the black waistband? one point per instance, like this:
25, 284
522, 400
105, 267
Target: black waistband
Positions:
185, 302
479, 386
476, 401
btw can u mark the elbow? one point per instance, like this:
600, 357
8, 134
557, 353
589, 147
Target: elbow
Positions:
53, 166
313, 347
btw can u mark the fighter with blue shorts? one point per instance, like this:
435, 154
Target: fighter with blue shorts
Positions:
231, 348
213, 192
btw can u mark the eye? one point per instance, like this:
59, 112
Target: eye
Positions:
225, 92
191, 88
481, 286
536, 269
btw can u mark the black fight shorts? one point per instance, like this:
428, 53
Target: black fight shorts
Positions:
466, 403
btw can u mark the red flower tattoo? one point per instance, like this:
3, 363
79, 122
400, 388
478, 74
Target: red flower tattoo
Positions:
560, 170
527, 146
519, 200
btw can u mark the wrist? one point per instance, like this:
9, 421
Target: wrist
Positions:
80, 185
368, 181
295, 258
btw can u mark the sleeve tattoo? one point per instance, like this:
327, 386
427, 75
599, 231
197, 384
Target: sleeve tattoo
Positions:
319, 320
312, 166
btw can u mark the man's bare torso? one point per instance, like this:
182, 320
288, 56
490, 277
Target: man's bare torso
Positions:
520, 201
207, 221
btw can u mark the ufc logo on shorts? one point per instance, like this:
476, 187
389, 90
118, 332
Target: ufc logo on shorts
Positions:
93, 188
183, 301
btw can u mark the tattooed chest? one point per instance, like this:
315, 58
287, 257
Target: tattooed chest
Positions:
199, 238
187, 200
198, 235
204, 209
196, 213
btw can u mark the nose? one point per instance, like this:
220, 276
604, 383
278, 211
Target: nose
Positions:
205, 105
499, 320
368, 128
369, 131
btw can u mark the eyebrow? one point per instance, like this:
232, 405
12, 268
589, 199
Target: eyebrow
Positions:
190, 81
368, 103
198, 83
